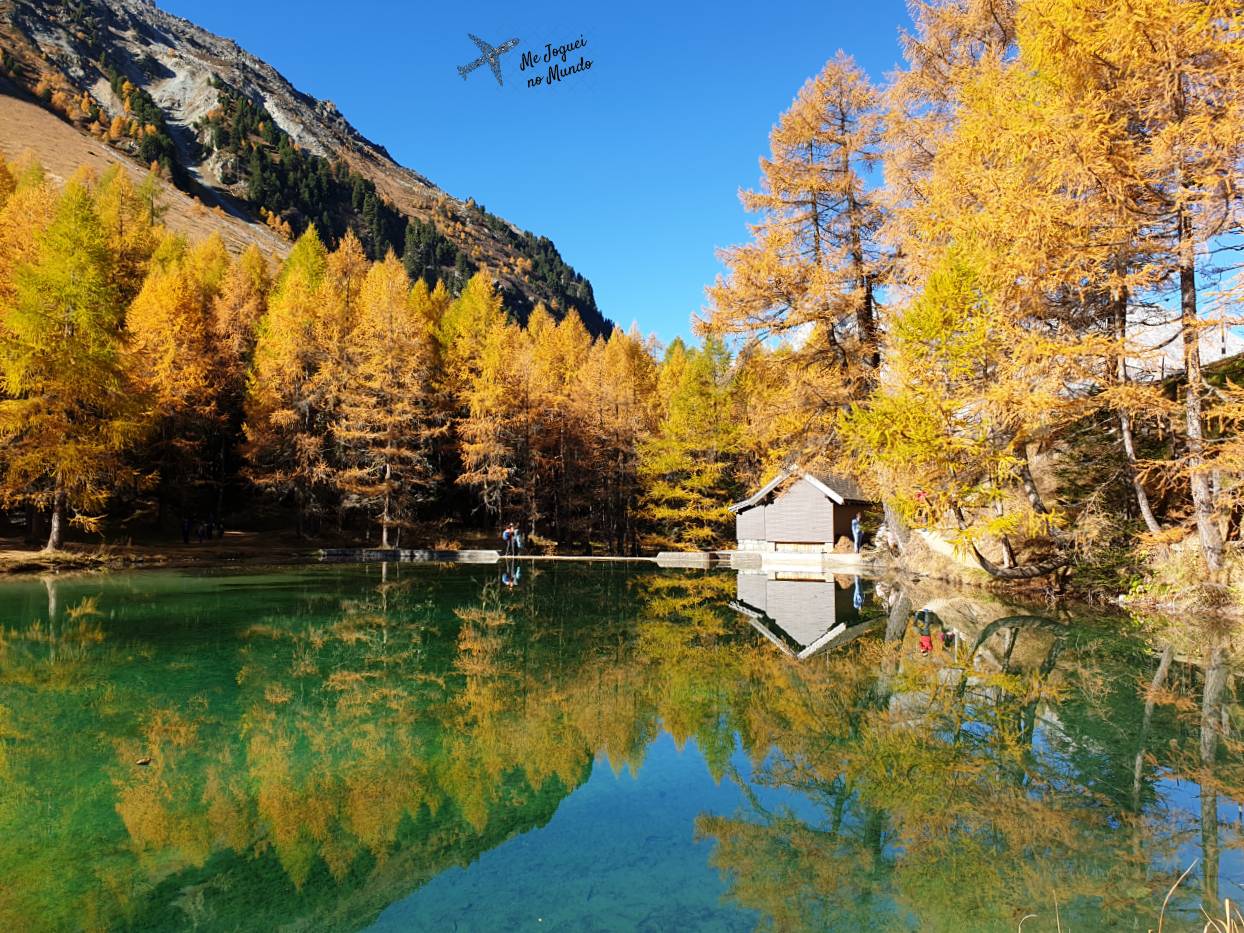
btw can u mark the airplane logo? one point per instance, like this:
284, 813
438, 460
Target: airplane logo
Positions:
491, 56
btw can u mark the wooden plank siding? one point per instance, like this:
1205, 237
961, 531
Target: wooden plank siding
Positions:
749, 525
801, 514
805, 609
752, 588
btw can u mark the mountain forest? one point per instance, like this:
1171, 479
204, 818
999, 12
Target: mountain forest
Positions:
983, 289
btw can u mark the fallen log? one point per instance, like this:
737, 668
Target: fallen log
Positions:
1024, 571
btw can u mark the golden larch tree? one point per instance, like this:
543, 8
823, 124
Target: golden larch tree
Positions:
687, 466
68, 415
175, 360
285, 428
388, 418
815, 265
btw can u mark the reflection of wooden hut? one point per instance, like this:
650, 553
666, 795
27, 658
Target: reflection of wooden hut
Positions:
797, 512
802, 615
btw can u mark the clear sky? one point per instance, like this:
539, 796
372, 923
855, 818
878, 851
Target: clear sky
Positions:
631, 167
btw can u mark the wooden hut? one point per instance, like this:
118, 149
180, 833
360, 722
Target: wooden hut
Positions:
798, 512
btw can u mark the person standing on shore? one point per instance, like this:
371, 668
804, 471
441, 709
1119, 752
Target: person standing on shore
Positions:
857, 531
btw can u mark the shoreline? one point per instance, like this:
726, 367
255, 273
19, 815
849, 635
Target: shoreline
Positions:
248, 548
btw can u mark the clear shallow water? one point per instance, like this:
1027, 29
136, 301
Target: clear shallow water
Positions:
599, 747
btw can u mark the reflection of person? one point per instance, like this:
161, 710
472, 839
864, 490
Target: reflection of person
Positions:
511, 575
857, 599
925, 618
922, 626
857, 531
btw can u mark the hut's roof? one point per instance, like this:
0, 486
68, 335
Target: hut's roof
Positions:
839, 488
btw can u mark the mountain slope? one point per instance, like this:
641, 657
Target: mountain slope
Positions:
62, 150
231, 130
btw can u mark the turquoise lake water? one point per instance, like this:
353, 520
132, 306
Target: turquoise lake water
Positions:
578, 746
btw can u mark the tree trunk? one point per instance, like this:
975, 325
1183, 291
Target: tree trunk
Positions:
1159, 678
899, 531
57, 532
899, 617
874, 833
1142, 498
1202, 494
1008, 552
1023, 572
384, 518
1030, 486
49, 583
33, 521
1119, 313
222, 478
865, 311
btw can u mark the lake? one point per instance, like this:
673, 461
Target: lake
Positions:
602, 746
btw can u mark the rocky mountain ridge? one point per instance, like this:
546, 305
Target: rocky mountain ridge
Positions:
230, 129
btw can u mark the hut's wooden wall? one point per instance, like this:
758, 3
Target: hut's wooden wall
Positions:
749, 525
752, 588
800, 514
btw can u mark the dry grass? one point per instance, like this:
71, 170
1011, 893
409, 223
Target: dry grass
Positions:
1232, 921
1178, 581
28, 129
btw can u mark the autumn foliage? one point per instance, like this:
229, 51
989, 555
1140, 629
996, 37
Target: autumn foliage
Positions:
150, 379
991, 263
982, 289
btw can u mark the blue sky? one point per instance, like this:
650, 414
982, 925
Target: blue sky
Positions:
632, 167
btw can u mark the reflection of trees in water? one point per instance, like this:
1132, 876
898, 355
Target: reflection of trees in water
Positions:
331, 758
425, 734
358, 744
48, 670
1213, 724
940, 808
